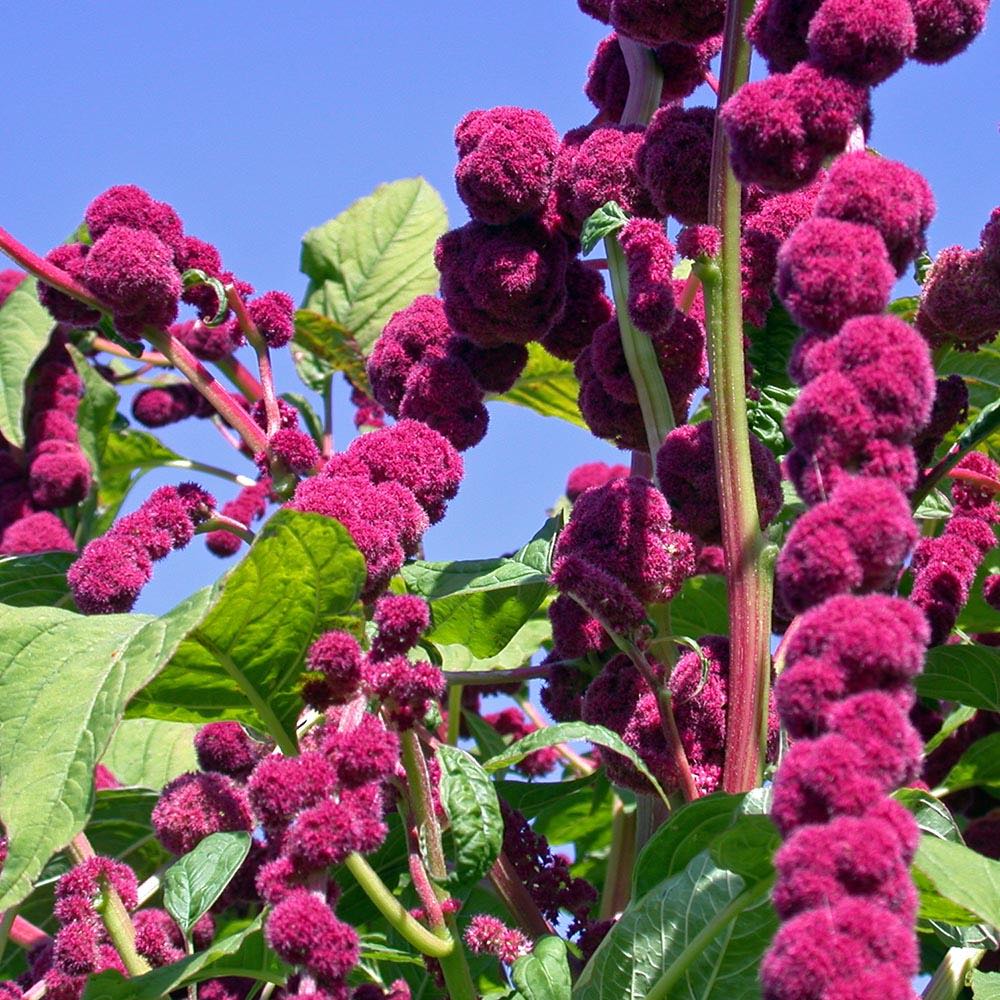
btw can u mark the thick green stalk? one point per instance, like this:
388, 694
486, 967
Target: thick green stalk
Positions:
618, 878
454, 967
748, 559
949, 977
640, 355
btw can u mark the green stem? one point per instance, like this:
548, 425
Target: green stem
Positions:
650, 814
6, 922
621, 859
949, 977
454, 713
219, 522
454, 967
640, 355
209, 470
395, 913
679, 967
748, 559
645, 82
115, 917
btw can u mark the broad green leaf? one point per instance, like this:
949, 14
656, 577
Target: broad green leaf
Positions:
985, 985
932, 815
979, 765
65, 680
771, 347
96, 412
301, 576
26, 581
566, 732
548, 386
120, 827
471, 801
530, 798
25, 327
747, 847
242, 954
544, 974
957, 717
604, 221
968, 674
701, 608
147, 753
329, 348
936, 506
195, 881
482, 604
968, 879
688, 831
697, 935
374, 258
488, 740
568, 819
311, 419
523, 644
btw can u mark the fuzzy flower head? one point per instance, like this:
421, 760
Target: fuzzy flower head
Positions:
302, 930
495, 369
946, 27
71, 258
506, 156
654, 22
133, 208
406, 687
58, 474
590, 474
487, 935
337, 657
685, 469
227, 748
587, 307
401, 619
197, 804
675, 159
829, 271
960, 300
599, 166
415, 456
134, 272
607, 417
86, 882
273, 315
324, 834
443, 394
161, 405
502, 285
881, 193
778, 30
864, 43
33, 533
281, 787
369, 752
782, 127
109, 575
855, 542
295, 449
649, 257
625, 529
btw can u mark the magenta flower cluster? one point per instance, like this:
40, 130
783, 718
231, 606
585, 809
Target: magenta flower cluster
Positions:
386, 488
51, 471
113, 569
619, 552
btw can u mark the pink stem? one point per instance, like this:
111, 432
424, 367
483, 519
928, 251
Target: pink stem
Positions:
976, 479
689, 294
259, 344
597, 263
49, 273
26, 935
241, 377
711, 80
428, 899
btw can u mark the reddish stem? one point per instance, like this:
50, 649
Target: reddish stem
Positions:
151, 358
428, 898
689, 293
26, 935
976, 479
517, 899
49, 273
241, 377
597, 263
259, 344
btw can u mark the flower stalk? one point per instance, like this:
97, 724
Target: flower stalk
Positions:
748, 559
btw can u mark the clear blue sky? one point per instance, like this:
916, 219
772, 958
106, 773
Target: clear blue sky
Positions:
258, 121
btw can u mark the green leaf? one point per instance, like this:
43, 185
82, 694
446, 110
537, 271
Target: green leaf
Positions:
968, 879
565, 820
526, 641
544, 973
25, 327
311, 419
697, 935
932, 815
967, 674
936, 506
701, 608
985, 985
488, 740
978, 766
771, 347
96, 411
148, 753
374, 258
530, 798
302, 574
604, 221
747, 847
766, 417
26, 581
243, 954
326, 347
482, 604
120, 827
195, 881
686, 833
566, 732
548, 386
64, 682
476, 825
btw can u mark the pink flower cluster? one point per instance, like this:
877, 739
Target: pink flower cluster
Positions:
421, 370
133, 262
684, 67
512, 722
608, 398
620, 699
944, 567
657, 22
488, 935
960, 300
843, 888
590, 474
824, 57
113, 569
619, 552
161, 405
52, 471
385, 489
249, 505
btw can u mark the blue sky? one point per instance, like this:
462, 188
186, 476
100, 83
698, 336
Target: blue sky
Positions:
259, 121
